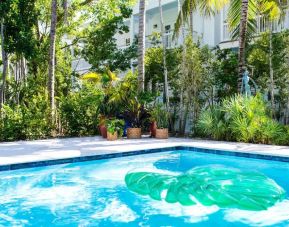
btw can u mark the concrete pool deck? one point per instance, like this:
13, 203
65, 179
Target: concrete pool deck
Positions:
54, 149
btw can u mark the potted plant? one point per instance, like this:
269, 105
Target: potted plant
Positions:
161, 116
114, 129
133, 115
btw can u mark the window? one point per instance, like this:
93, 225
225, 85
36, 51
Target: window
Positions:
127, 42
168, 28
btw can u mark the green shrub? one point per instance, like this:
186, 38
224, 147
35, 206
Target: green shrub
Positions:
25, 122
79, 111
243, 119
211, 123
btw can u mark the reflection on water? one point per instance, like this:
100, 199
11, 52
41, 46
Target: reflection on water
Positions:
94, 193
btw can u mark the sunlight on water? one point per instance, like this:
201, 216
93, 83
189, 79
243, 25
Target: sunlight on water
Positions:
95, 194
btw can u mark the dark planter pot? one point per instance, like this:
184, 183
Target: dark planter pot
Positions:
153, 128
103, 131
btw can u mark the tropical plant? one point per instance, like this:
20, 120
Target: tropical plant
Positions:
115, 125
211, 123
160, 114
243, 119
242, 18
100, 44
189, 6
79, 111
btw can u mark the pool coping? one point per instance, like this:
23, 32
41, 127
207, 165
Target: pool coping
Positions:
244, 154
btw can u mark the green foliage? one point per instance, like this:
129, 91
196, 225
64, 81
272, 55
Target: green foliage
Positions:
79, 111
258, 59
100, 48
22, 122
131, 104
160, 114
115, 125
242, 119
211, 123
20, 17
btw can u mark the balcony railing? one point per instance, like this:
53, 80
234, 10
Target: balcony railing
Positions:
263, 25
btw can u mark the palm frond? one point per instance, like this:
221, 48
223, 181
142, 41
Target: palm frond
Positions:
206, 7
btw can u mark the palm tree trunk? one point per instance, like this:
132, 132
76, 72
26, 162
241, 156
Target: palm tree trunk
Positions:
242, 40
166, 90
271, 70
191, 19
51, 70
5, 66
65, 9
141, 45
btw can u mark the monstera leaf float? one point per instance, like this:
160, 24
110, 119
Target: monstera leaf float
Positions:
209, 185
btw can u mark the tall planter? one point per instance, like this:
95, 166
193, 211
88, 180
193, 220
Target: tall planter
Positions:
134, 133
153, 128
162, 133
103, 131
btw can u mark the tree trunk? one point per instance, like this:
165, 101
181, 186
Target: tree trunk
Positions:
141, 45
242, 40
65, 9
191, 19
166, 90
5, 66
271, 70
51, 70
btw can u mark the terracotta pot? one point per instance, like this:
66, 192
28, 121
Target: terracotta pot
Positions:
153, 128
134, 133
103, 131
162, 133
111, 137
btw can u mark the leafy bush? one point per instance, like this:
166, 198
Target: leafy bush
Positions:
243, 119
79, 111
211, 123
25, 122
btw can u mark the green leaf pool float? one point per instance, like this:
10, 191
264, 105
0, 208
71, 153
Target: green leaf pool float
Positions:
209, 185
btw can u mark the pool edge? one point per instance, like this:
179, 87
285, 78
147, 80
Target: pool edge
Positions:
16, 166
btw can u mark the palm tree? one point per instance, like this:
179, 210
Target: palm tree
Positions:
206, 7
51, 63
166, 90
242, 19
5, 65
141, 45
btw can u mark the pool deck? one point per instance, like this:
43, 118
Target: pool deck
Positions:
54, 149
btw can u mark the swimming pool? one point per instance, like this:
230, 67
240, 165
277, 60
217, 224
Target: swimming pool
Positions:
95, 193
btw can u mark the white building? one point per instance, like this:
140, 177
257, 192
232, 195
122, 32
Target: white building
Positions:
210, 31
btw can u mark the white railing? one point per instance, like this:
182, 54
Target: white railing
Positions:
152, 40
263, 25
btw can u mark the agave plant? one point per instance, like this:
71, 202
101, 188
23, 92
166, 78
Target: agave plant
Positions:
209, 185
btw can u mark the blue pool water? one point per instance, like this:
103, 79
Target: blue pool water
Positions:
94, 194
